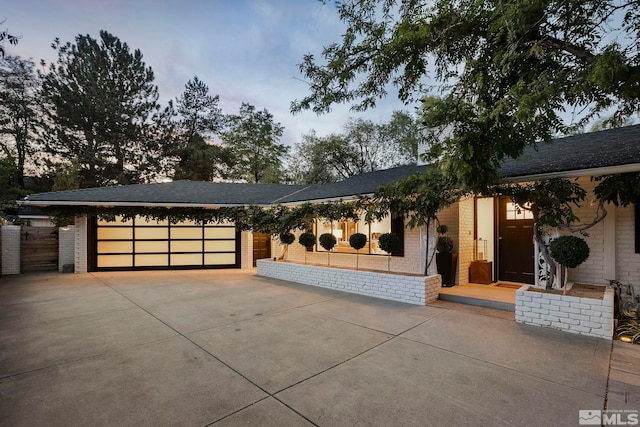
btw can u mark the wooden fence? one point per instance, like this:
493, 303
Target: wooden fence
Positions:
39, 249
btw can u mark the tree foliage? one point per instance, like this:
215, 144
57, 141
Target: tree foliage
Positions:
21, 114
252, 136
505, 71
102, 99
10, 38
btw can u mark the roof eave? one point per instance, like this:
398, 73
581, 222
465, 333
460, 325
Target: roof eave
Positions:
607, 170
44, 203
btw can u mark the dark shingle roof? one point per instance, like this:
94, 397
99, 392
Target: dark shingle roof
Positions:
365, 183
177, 192
612, 147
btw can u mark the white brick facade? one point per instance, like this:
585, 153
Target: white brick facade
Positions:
80, 245
246, 250
584, 316
66, 246
418, 290
10, 249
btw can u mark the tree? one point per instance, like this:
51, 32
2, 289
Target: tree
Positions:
200, 118
4, 35
363, 146
67, 176
505, 70
103, 98
21, 114
253, 139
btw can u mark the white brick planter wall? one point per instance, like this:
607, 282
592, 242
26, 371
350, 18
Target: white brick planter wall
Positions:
584, 316
419, 290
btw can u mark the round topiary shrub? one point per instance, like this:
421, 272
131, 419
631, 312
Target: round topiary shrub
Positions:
358, 241
442, 229
569, 251
444, 245
328, 241
287, 238
389, 242
307, 239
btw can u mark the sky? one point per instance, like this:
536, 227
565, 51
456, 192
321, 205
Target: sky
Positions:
244, 50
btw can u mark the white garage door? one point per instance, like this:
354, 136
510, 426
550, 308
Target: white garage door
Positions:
143, 244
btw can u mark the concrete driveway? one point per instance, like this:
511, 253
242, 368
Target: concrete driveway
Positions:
221, 348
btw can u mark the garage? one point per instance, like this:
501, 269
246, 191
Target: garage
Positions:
142, 244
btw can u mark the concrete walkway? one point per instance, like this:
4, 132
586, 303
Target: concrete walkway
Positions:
227, 348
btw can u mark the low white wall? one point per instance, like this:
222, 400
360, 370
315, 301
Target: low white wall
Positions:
419, 290
66, 246
10, 249
584, 316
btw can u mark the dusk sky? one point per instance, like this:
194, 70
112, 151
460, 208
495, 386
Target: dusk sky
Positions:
244, 50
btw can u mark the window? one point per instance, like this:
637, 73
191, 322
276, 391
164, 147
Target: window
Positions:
517, 212
344, 229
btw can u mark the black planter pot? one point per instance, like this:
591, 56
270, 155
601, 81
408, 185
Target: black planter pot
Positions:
447, 264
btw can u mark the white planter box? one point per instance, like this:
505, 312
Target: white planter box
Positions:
584, 316
418, 290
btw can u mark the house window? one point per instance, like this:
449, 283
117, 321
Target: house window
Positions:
344, 229
517, 212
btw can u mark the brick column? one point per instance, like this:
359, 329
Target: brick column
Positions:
80, 262
10, 249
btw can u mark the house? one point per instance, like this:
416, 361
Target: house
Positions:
489, 229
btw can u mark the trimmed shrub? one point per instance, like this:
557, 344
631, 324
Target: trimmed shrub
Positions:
358, 241
444, 244
328, 241
307, 239
287, 238
569, 251
389, 242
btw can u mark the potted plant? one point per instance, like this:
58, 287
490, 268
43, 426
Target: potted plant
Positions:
446, 259
286, 239
328, 242
389, 242
569, 252
357, 241
307, 239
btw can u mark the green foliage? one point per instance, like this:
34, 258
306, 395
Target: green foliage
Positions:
363, 146
444, 244
10, 189
200, 161
389, 242
21, 123
5, 35
569, 251
442, 229
358, 241
199, 111
67, 176
307, 239
622, 189
253, 139
287, 238
328, 241
506, 71
102, 100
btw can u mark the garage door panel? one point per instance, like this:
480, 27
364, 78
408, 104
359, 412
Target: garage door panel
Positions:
219, 259
219, 245
187, 246
115, 261
186, 233
115, 233
160, 246
152, 233
219, 233
115, 247
186, 259
155, 260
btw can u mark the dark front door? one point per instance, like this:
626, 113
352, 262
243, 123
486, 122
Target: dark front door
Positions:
515, 244
261, 247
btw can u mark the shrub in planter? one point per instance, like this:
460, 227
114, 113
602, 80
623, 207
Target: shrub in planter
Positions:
569, 252
389, 242
286, 239
446, 259
357, 241
307, 239
328, 241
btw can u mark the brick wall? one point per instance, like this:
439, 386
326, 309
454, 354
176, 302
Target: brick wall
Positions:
80, 261
10, 249
419, 290
584, 316
66, 246
246, 250
465, 239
